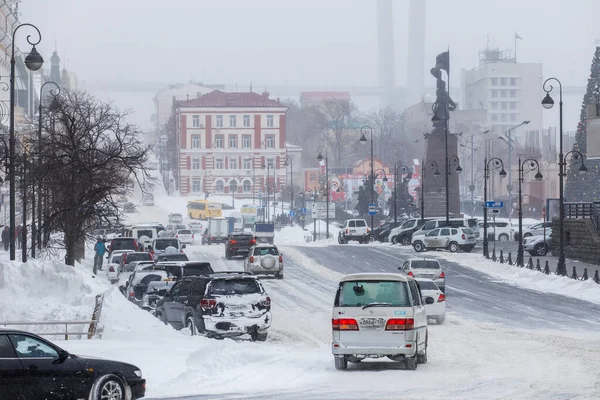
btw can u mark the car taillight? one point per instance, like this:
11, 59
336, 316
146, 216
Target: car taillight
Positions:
442, 298
368, 230
132, 294
266, 303
280, 258
346, 231
208, 303
410, 273
463, 236
176, 236
253, 241
400, 324
442, 275
192, 235
344, 324
232, 242
251, 259
111, 269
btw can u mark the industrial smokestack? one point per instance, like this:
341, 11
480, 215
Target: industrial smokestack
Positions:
416, 52
385, 48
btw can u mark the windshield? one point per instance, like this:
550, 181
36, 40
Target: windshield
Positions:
144, 232
234, 286
116, 259
173, 257
361, 293
145, 278
424, 264
164, 243
408, 224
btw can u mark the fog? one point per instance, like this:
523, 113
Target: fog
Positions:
310, 42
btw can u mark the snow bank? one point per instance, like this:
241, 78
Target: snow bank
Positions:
523, 277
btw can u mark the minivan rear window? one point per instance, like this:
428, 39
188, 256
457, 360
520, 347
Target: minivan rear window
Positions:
360, 223
263, 251
362, 293
425, 264
185, 232
233, 286
138, 257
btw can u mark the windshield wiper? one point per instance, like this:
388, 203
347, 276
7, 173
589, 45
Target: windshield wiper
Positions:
377, 305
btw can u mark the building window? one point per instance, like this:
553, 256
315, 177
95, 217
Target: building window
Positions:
494, 93
232, 121
270, 163
494, 81
247, 163
218, 163
196, 163
494, 117
513, 105
270, 121
233, 141
270, 141
219, 139
196, 185
513, 93
503, 81
247, 186
494, 105
246, 121
503, 93
504, 105
233, 163
219, 121
195, 141
196, 121
503, 117
219, 186
513, 117
246, 141
513, 81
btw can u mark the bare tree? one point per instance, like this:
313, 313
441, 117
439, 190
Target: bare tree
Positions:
89, 154
342, 127
388, 128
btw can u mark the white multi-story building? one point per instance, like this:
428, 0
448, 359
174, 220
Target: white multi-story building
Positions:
225, 139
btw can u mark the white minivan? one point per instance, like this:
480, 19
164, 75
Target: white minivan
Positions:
379, 315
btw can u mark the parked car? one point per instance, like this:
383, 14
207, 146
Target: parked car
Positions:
385, 230
160, 245
452, 239
538, 245
134, 256
124, 243
172, 257
35, 368
437, 309
225, 304
379, 315
181, 270
139, 281
129, 208
264, 259
114, 264
425, 268
175, 218
537, 229
129, 269
185, 236
154, 293
403, 233
354, 229
238, 244
452, 223
504, 231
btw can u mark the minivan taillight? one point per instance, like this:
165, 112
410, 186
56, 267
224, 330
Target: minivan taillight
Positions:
346, 231
442, 275
463, 236
253, 241
176, 236
280, 258
251, 259
132, 294
344, 324
208, 303
442, 298
400, 324
111, 269
266, 303
410, 273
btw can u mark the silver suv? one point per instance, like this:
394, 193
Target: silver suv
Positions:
264, 259
354, 229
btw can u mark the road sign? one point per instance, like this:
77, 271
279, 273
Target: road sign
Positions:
319, 210
292, 213
494, 204
264, 203
303, 210
372, 209
495, 211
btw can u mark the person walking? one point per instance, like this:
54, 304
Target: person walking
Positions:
19, 235
6, 238
100, 250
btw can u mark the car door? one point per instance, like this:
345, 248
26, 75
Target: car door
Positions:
431, 238
45, 374
443, 238
196, 293
180, 302
167, 303
11, 370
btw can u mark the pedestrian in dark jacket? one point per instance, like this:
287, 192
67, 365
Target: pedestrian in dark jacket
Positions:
6, 238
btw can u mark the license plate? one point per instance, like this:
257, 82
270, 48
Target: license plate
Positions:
236, 328
235, 308
372, 322
352, 231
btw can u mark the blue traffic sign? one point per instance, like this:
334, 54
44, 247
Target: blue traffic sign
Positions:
494, 204
372, 209
292, 213
303, 210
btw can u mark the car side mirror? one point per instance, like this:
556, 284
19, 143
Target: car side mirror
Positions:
429, 300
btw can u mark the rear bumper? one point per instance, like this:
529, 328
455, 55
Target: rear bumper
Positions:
237, 326
365, 344
238, 250
257, 269
341, 349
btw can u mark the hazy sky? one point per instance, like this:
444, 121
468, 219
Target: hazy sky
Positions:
318, 42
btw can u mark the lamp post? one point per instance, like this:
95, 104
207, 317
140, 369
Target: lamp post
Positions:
547, 103
473, 150
33, 61
509, 187
268, 190
498, 163
363, 139
405, 170
532, 166
36, 233
432, 165
313, 195
291, 165
320, 149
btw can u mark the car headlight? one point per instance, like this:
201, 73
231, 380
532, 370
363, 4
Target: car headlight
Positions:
138, 373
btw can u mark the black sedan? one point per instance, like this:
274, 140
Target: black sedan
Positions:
33, 368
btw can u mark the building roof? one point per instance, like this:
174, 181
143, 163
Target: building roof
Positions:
218, 98
322, 96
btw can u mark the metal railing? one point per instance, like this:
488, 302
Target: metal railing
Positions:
65, 323
584, 211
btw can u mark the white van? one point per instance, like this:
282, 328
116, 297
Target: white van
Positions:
147, 232
453, 223
379, 315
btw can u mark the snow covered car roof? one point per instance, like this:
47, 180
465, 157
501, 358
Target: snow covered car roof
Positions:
374, 276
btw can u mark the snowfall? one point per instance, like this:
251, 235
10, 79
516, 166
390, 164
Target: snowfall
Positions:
467, 358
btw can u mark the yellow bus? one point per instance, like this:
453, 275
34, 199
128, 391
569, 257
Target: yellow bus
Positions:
204, 209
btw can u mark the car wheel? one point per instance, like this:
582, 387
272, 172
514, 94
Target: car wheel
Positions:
422, 358
113, 281
503, 237
258, 337
108, 387
191, 326
440, 320
279, 275
453, 247
406, 241
412, 362
418, 246
341, 363
540, 249
393, 240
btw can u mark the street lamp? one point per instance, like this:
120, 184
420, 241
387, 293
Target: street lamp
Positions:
473, 150
268, 193
289, 161
313, 197
509, 187
36, 234
547, 103
33, 62
498, 163
532, 165
363, 139
431, 165
320, 149
405, 170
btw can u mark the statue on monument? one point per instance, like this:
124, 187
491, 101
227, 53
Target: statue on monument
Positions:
443, 102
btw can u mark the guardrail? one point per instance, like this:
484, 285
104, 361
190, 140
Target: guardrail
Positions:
65, 323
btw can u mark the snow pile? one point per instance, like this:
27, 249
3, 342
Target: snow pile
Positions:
523, 277
292, 235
